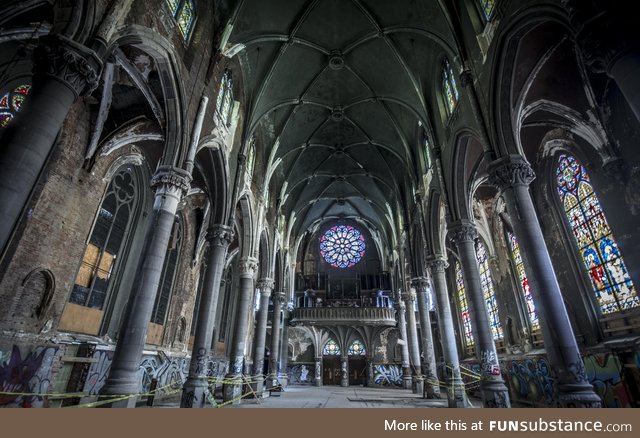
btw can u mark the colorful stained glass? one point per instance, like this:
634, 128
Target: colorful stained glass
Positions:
464, 307
331, 348
356, 349
524, 281
173, 6
11, 102
449, 87
488, 7
488, 291
602, 259
342, 246
186, 17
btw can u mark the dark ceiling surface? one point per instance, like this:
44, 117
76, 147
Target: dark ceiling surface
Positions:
337, 94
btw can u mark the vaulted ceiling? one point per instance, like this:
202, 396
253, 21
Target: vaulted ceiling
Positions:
337, 94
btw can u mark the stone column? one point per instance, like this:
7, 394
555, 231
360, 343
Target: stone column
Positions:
266, 286
512, 174
170, 185
432, 389
318, 376
344, 369
64, 70
278, 301
605, 48
412, 337
196, 387
232, 390
370, 370
494, 392
284, 348
402, 330
455, 386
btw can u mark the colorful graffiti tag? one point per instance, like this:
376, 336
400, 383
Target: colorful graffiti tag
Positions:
30, 375
606, 373
529, 380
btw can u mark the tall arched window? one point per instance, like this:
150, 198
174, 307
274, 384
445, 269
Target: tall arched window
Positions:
251, 157
524, 281
167, 278
488, 7
331, 348
600, 254
103, 254
224, 103
449, 87
488, 291
464, 307
11, 102
184, 12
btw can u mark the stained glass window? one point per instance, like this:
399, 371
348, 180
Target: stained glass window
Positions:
488, 291
488, 7
600, 254
251, 156
342, 246
449, 87
224, 103
331, 348
11, 102
524, 281
464, 307
184, 12
356, 349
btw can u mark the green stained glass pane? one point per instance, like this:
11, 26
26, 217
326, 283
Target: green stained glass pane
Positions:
186, 17
173, 6
464, 307
488, 7
488, 291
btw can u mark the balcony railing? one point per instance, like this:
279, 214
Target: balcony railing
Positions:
344, 315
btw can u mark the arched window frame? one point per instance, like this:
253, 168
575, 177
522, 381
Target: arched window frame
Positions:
168, 276
463, 308
488, 290
356, 348
184, 12
449, 87
520, 274
224, 102
601, 309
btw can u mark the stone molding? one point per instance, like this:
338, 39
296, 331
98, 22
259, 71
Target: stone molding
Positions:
248, 266
510, 171
462, 231
220, 235
169, 178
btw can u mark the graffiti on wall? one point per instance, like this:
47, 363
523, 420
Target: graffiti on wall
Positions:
529, 380
606, 373
25, 376
301, 374
387, 375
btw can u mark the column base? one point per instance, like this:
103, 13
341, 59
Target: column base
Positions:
258, 386
494, 394
417, 385
118, 388
406, 382
318, 382
431, 388
344, 383
232, 389
196, 393
456, 395
577, 396
284, 380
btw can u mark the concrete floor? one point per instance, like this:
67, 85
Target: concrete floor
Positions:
338, 397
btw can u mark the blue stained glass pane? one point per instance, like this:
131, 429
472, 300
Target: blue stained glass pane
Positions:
488, 6
186, 17
356, 349
331, 348
611, 283
342, 246
11, 102
173, 6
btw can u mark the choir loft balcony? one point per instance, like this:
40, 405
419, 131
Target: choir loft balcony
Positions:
344, 315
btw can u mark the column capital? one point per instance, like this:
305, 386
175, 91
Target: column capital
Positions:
437, 263
510, 171
466, 78
279, 298
171, 179
266, 284
64, 60
462, 231
420, 283
402, 306
220, 235
409, 296
248, 266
